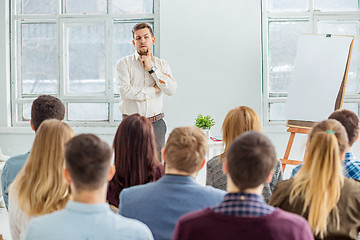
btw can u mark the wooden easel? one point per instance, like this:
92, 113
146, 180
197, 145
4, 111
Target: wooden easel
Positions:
293, 131
304, 127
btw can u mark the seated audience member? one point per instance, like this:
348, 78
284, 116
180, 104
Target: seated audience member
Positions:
87, 216
136, 160
243, 214
40, 187
160, 204
44, 107
238, 121
351, 123
319, 191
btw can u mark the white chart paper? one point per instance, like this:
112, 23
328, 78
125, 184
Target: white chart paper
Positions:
318, 72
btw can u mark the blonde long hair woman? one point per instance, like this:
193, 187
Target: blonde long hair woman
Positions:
237, 121
40, 187
319, 191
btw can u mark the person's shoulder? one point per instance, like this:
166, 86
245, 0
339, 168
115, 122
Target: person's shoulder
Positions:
126, 59
45, 222
140, 189
211, 191
13, 166
351, 186
132, 226
196, 214
18, 160
290, 218
213, 161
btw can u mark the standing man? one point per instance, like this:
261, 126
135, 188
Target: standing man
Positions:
143, 78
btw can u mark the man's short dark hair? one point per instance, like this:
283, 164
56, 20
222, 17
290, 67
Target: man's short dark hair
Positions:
46, 107
87, 159
251, 157
350, 121
142, 26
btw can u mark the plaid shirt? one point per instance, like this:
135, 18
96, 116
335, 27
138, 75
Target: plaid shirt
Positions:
243, 205
351, 167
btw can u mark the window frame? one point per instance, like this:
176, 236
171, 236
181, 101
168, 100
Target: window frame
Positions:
61, 20
313, 16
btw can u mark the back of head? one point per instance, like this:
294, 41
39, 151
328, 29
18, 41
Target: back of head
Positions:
142, 26
185, 149
250, 157
320, 179
237, 121
350, 121
41, 185
135, 152
88, 161
46, 107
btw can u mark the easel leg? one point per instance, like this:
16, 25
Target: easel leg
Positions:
288, 148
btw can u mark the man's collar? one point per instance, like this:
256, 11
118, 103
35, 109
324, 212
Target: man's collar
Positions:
137, 56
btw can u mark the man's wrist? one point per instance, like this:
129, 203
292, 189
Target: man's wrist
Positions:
152, 70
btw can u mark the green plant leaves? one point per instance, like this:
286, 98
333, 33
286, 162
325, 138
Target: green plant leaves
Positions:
204, 122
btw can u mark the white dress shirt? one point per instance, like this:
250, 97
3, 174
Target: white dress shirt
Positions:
137, 85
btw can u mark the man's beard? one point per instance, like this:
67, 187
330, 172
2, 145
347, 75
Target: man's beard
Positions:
143, 51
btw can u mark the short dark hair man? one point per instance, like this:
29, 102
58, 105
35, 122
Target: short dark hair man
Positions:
143, 79
160, 204
88, 170
244, 214
351, 123
43, 108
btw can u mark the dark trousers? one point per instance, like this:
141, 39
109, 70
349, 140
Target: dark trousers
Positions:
160, 131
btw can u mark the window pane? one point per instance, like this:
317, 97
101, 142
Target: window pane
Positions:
278, 5
39, 6
117, 113
345, 28
86, 6
277, 112
88, 111
337, 5
283, 41
133, 6
123, 45
86, 62
26, 111
39, 47
352, 107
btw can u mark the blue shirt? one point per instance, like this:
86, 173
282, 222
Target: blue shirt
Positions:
351, 167
86, 221
11, 168
243, 205
160, 204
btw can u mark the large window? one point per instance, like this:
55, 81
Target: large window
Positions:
69, 48
283, 22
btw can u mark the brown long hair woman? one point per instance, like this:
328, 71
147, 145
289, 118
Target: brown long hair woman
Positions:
319, 191
136, 160
237, 121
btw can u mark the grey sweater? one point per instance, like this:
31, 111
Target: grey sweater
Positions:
216, 178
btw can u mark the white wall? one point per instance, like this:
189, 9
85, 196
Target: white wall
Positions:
214, 50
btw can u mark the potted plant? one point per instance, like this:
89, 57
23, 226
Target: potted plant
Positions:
204, 123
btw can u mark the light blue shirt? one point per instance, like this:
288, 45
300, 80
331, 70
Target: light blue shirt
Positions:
11, 168
86, 222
